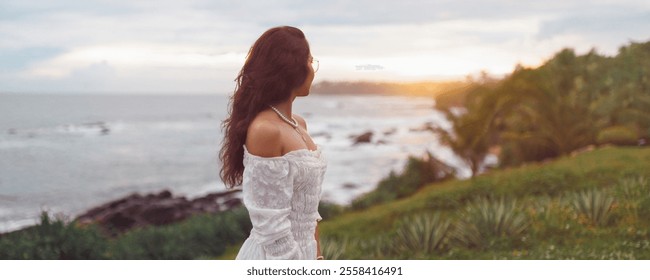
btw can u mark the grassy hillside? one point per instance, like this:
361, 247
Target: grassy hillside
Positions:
595, 205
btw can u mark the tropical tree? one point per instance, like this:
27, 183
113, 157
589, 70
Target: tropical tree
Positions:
567, 103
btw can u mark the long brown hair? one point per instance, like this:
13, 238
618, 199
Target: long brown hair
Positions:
275, 65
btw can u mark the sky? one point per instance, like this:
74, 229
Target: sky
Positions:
198, 46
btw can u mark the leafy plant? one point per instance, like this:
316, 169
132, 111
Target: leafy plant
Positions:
594, 205
424, 233
484, 221
54, 239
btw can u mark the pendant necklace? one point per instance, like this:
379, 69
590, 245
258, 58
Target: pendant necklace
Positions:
291, 122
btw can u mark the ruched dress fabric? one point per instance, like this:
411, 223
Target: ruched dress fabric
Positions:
282, 196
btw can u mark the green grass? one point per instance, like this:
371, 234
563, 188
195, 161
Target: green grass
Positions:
591, 206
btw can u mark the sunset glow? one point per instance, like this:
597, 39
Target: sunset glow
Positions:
198, 46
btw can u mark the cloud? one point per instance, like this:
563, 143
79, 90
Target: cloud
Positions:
125, 56
199, 45
610, 29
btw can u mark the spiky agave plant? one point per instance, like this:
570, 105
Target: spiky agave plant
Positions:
485, 219
424, 233
594, 205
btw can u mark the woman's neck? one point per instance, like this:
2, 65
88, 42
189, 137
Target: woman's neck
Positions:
285, 107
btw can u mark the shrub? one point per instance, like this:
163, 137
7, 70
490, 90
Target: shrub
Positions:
54, 239
329, 210
422, 234
594, 205
485, 221
198, 237
617, 135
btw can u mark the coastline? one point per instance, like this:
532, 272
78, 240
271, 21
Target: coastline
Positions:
133, 160
156, 209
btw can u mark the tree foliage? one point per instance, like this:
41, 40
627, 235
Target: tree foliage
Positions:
569, 102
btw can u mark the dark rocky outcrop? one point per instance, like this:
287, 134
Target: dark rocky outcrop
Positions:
363, 138
162, 208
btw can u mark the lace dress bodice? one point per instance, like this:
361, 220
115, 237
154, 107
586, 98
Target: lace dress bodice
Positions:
282, 196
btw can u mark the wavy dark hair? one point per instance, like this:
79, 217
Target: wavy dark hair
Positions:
275, 65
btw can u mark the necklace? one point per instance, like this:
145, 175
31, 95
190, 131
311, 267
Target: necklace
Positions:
294, 124
291, 122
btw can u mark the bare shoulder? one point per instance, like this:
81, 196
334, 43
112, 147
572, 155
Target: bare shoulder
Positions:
300, 121
264, 138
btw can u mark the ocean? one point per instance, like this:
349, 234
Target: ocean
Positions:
68, 153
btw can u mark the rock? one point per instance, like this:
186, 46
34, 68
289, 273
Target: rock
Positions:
135, 210
105, 130
350, 186
119, 221
233, 202
363, 138
161, 214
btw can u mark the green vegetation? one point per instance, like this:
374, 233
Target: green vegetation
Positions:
422, 234
594, 205
53, 239
200, 237
591, 206
484, 221
568, 103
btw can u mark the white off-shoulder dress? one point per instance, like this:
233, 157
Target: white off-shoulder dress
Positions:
282, 196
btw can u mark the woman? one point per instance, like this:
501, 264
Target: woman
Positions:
268, 151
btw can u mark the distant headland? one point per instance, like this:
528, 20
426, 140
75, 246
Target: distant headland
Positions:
425, 88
